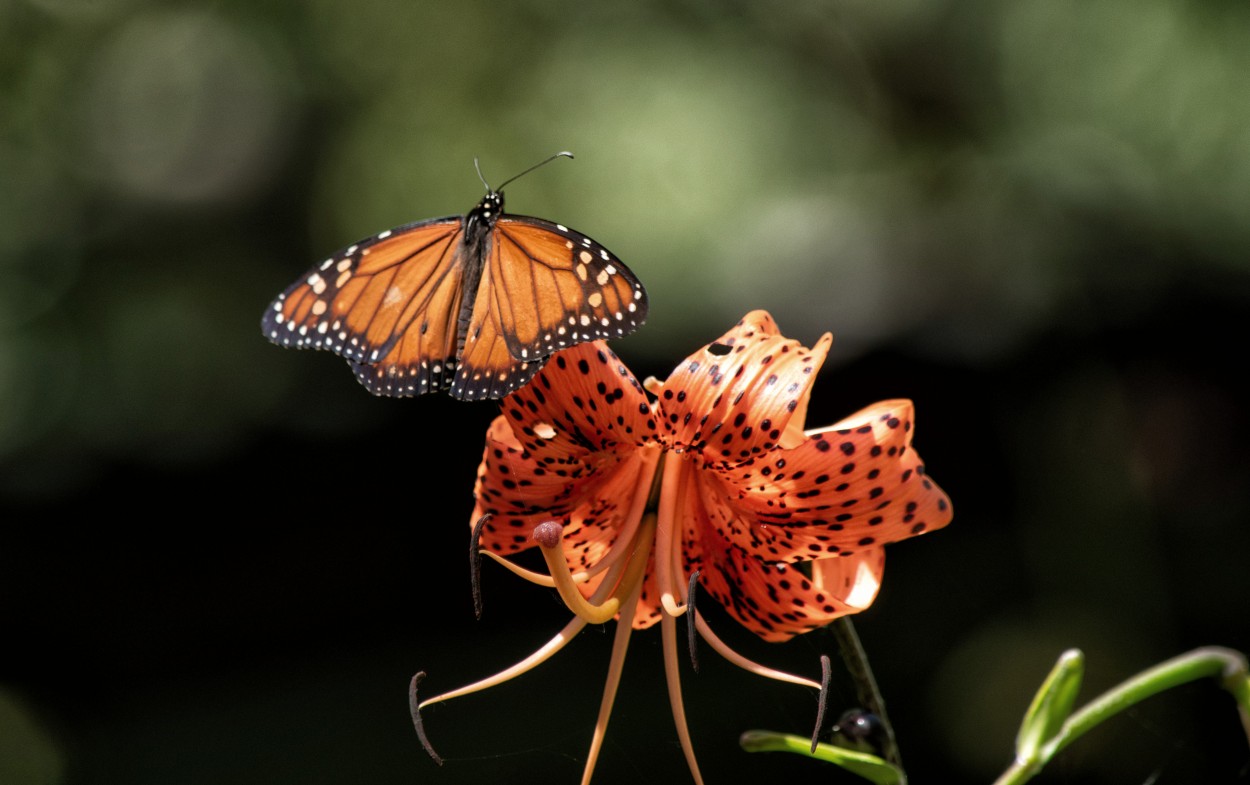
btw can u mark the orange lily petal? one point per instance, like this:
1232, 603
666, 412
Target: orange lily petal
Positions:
856, 484
778, 601
566, 448
735, 397
583, 400
591, 500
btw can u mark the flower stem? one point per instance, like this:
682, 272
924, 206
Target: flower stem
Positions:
1226, 665
866, 690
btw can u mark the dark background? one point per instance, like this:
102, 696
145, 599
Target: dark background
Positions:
221, 561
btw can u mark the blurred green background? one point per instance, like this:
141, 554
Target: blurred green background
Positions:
221, 561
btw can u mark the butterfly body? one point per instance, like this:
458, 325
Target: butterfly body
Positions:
472, 305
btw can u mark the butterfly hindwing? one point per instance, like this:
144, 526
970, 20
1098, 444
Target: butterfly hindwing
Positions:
487, 369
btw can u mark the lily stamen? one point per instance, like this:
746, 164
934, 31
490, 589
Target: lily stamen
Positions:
475, 564
620, 645
545, 652
750, 666
692, 616
414, 706
668, 536
672, 675
825, 674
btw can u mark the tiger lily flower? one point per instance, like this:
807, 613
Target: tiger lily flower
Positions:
627, 497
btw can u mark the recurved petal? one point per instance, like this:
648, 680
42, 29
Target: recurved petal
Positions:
735, 397
778, 601
855, 485
520, 490
590, 496
584, 400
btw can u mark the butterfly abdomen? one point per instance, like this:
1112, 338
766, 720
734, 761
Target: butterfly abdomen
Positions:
479, 226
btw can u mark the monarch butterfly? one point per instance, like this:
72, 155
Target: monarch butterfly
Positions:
471, 304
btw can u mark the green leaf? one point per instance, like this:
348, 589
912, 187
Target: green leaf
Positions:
1051, 706
870, 767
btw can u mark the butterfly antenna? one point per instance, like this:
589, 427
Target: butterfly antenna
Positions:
479, 174
562, 154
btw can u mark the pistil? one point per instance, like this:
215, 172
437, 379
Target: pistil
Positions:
548, 536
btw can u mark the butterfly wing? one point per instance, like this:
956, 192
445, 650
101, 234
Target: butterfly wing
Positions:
417, 309
389, 304
486, 368
544, 287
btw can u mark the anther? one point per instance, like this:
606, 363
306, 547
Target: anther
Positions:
475, 564
414, 705
691, 617
823, 699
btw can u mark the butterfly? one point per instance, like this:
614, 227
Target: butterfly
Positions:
473, 305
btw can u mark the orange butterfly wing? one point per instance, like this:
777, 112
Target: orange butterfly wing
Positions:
544, 287
424, 308
389, 305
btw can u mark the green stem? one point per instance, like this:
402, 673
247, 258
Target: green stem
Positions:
866, 690
1226, 665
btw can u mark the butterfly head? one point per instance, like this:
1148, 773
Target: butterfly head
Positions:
491, 205
481, 219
